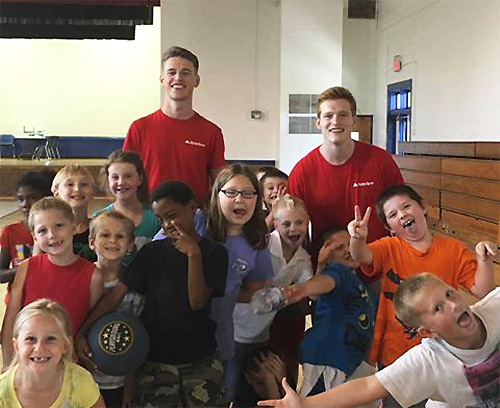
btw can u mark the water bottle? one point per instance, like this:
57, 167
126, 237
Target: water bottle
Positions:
267, 300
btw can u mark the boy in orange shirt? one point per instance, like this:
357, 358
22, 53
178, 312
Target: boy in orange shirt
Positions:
411, 250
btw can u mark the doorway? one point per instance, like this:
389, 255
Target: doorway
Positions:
399, 103
364, 128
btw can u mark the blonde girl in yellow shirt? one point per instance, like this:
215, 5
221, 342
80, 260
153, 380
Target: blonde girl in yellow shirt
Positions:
42, 373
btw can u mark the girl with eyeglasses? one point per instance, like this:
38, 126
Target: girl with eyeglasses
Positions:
235, 219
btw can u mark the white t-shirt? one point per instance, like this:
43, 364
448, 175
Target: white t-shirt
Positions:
448, 376
253, 328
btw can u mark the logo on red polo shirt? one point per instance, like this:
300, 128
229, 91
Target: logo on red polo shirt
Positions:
193, 143
364, 184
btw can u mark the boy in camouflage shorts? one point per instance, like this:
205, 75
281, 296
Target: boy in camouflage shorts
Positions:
177, 277
159, 384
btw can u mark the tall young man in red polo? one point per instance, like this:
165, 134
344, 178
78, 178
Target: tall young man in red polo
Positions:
342, 172
175, 142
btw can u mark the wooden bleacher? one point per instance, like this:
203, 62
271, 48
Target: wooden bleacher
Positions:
12, 170
461, 183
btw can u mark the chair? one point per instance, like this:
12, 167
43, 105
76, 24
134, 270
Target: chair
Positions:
50, 148
8, 141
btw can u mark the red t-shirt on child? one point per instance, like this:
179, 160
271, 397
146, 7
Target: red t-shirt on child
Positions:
17, 240
68, 285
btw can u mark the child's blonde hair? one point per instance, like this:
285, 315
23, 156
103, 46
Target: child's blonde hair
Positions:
71, 170
127, 156
255, 230
50, 203
126, 222
405, 296
48, 308
288, 202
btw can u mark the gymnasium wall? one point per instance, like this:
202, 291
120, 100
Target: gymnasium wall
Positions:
251, 58
238, 43
359, 62
79, 87
311, 61
451, 51
253, 55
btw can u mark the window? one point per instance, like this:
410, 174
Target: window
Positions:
398, 113
302, 114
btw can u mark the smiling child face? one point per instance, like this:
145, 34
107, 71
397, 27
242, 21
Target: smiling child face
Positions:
291, 224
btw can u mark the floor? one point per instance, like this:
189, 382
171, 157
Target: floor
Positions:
7, 207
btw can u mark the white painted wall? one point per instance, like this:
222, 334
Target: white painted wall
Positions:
311, 61
238, 45
297, 49
451, 50
359, 62
79, 87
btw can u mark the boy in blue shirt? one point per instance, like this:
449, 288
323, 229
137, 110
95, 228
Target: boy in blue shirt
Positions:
337, 344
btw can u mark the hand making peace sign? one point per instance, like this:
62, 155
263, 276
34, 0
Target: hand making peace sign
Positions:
358, 228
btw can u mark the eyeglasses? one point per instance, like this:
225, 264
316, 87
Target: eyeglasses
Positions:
248, 194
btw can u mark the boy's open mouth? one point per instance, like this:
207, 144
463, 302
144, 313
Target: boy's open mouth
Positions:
464, 319
408, 223
294, 238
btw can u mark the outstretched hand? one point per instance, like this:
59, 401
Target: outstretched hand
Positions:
358, 228
290, 400
486, 251
183, 242
294, 293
